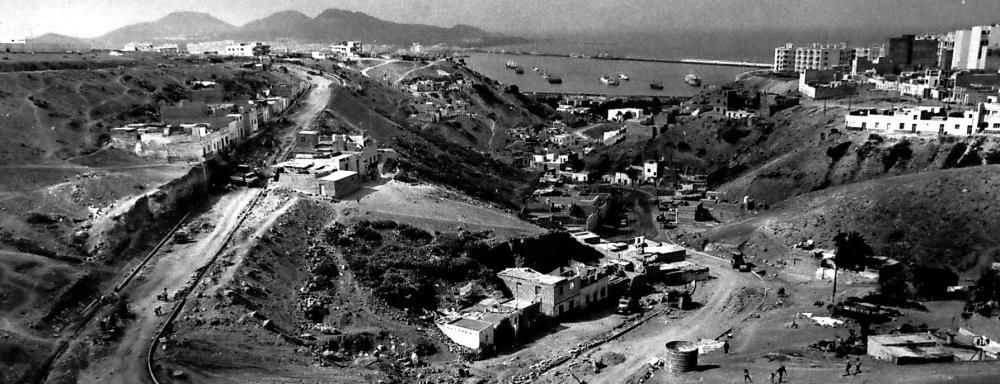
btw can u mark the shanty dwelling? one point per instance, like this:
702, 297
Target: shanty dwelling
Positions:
339, 184
470, 333
682, 272
912, 348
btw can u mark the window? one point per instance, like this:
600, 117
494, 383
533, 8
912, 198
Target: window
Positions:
902, 126
538, 290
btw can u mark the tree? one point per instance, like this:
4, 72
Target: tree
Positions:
852, 249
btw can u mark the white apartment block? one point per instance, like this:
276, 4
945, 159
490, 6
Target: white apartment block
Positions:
790, 58
971, 46
926, 120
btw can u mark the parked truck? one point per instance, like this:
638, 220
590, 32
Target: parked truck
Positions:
627, 305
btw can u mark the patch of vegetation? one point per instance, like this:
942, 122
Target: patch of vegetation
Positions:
898, 152
852, 250
838, 151
732, 133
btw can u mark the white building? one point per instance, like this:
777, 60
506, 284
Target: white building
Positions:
247, 49
650, 169
919, 120
789, 58
347, 48
209, 47
620, 114
138, 47
12, 40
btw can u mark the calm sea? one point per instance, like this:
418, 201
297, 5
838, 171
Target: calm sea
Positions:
582, 75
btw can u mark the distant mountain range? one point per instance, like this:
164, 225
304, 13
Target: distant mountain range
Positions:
332, 25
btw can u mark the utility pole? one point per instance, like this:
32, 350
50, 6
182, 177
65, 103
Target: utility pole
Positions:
833, 296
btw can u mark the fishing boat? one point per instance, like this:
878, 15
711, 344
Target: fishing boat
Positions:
534, 69
656, 86
623, 76
608, 80
553, 79
519, 71
512, 65
692, 80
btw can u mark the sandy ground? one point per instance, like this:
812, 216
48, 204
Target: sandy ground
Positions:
433, 206
127, 363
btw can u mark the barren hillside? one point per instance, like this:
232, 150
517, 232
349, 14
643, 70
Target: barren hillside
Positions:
942, 217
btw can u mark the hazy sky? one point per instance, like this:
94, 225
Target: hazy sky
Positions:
89, 18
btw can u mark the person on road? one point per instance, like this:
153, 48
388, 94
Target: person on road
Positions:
857, 366
847, 367
725, 346
746, 376
781, 373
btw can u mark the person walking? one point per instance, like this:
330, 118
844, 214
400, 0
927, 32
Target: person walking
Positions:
772, 376
857, 366
781, 373
725, 346
847, 367
746, 376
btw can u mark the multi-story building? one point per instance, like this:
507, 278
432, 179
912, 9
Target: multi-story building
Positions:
347, 48
561, 292
790, 58
248, 49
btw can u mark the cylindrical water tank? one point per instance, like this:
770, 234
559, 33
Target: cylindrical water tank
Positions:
682, 356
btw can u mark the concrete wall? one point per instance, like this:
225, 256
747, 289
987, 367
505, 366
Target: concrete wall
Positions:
466, 337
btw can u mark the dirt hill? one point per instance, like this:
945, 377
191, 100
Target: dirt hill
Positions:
943, 217
430, 153
58, 114
799, 150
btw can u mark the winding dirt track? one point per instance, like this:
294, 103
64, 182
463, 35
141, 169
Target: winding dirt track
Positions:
171, 271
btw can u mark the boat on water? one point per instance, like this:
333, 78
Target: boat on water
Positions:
692, 80
512, 65
608, 80
623, 76
534, 69
656, 86
553, 79
519, 71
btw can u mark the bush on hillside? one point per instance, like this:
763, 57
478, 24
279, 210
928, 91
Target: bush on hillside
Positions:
898, 152
838, 151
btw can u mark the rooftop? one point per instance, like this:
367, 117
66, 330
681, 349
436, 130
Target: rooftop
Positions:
531, 275
338, 175
909, 338
471, 324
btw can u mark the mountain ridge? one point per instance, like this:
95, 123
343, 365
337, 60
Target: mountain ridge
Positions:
330, 25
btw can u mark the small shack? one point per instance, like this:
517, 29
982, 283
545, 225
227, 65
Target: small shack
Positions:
911, 348
682, 272
339, 184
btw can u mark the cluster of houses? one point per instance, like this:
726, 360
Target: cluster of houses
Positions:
739, 104
440, 97
332, 164
958, 67
536, 298
222, 47
983, 119
200, 129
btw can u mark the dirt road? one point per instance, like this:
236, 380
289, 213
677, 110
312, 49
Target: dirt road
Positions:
170, 271
308, 108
